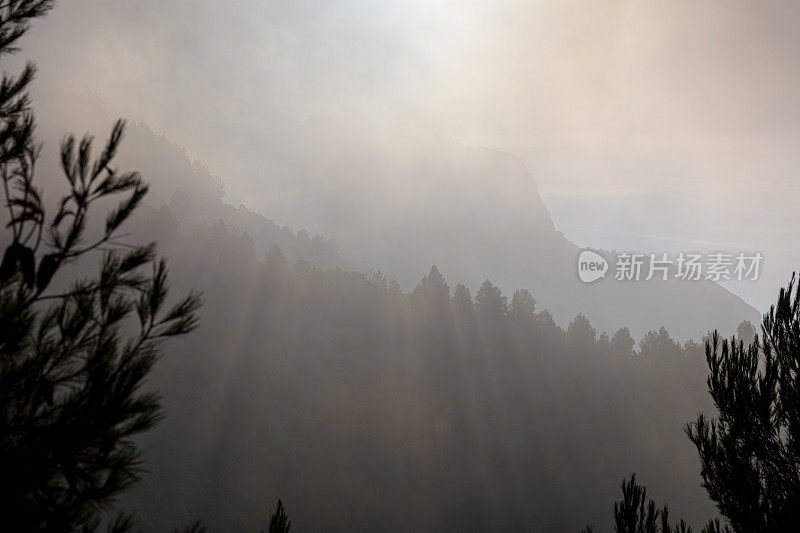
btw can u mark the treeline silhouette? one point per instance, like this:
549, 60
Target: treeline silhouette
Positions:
195, 195
749, 453
72, 360
367, 407
431, 409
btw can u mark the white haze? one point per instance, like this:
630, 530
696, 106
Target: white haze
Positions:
647, 126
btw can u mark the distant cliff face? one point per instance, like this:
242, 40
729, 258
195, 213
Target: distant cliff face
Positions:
475, 213
400, 207
496, 226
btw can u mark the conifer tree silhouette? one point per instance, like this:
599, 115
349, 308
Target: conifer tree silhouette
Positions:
490, 302
70, 379
636, 513
523, 305
750, 454
622, 343
279, 522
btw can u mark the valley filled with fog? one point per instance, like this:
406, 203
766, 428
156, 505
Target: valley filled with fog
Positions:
383, 207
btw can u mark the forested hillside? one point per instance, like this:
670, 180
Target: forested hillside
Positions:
474, 212
185, 185
459, 409
315, 284
365, 407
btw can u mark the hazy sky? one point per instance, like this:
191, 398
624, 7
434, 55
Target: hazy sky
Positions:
657, 126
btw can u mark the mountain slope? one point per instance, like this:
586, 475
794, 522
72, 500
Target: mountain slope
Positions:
474, 212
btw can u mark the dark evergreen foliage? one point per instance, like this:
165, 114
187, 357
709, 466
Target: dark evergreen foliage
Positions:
750, 454
338, 387
73, 356
636, 513
279, 522
449, 404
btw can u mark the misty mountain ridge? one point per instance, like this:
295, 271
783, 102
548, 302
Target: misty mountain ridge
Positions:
384, 267
474, 212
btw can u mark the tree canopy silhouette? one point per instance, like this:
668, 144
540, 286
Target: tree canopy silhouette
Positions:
636, 513
279, 522
749, 454
73, 356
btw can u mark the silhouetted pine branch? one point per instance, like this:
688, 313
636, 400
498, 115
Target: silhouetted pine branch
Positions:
71, 397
